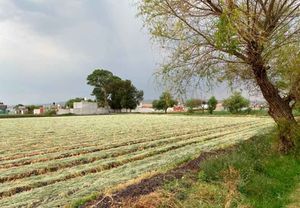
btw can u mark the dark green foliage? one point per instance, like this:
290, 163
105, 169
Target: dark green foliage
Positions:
236, 102
101, 79
131, 97
165, 101
32, 107
212, 104
114, 92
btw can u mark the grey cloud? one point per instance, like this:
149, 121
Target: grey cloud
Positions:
48, 47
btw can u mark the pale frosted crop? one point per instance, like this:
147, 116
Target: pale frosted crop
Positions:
51, 162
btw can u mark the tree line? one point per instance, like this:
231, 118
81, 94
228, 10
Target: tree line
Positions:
234, 104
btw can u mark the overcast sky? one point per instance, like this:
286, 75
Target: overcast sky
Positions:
48, 47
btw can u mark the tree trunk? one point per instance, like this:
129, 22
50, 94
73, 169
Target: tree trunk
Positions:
279, 109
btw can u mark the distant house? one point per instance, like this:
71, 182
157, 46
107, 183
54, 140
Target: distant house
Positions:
3, 108
220, 107
144, 107
21, 110
84, 108
178, 108
258, 105
39, 111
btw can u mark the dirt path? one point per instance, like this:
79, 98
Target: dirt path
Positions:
295, 197
149, 185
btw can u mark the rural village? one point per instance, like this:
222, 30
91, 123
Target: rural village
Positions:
91, 108
150, 104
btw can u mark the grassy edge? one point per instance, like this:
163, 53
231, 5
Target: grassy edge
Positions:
255, 175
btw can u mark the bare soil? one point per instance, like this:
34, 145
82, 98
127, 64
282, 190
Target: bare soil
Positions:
149, 185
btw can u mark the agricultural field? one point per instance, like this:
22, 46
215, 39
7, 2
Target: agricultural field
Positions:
52, 162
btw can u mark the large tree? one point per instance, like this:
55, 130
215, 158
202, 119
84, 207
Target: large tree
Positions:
252, 41
131, 97
101, 79
112, 91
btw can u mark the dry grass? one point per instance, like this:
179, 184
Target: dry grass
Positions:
295, 199
54, 161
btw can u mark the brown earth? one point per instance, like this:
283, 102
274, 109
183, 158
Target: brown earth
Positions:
149, 185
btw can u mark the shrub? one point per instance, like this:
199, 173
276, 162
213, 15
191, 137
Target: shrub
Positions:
236, 102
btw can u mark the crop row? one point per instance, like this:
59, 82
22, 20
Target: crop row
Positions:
118, 162
95, 153
87, 141
97, 148
52, 166
81, 139
78, 187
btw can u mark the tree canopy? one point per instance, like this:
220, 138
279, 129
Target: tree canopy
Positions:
111, 91
212, 104
101, 79
194, 103
236, 102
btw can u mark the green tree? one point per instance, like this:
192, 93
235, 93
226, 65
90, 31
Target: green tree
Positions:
236, 102
250, 42
212, 104
131, 97
165, 101
112, 91
32, 107
101, 80
194, 103
116, 92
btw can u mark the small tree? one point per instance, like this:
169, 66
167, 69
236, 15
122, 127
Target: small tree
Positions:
165, 101
236, 102
194, 103
212, 104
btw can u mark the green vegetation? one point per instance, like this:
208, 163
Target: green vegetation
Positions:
241, 42
194, 103
112, 91
212, 104
254, 174
236, 102
32, 107
46, 165
227, 113
165, 101
70, 103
